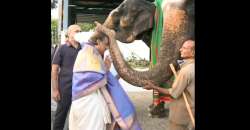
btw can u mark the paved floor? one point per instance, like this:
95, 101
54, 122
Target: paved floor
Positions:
141, 99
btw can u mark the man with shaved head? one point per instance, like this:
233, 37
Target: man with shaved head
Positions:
64, 60
179, 118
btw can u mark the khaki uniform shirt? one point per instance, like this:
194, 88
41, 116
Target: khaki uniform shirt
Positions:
185, 81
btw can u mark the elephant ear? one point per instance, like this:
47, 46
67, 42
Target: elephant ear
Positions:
145, 19
145, 37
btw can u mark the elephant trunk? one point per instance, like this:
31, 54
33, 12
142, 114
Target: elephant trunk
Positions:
175, 32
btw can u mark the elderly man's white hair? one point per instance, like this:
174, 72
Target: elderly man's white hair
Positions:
73, 26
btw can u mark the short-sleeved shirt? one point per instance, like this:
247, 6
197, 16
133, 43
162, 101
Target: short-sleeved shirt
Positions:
185, 82
65, 58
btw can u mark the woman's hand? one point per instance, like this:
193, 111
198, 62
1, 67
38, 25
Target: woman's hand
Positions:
107, 63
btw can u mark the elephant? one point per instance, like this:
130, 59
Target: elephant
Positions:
133, 19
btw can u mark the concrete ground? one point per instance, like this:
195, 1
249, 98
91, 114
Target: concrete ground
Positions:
141, 99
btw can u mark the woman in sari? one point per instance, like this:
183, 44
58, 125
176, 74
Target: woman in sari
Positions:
98, 99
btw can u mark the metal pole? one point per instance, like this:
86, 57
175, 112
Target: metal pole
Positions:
59, 20
65, 15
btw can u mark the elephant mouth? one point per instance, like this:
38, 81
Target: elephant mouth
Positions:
126, 38
131, 38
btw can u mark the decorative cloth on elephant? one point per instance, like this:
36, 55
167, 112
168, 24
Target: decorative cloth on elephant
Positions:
156, 42
96, 93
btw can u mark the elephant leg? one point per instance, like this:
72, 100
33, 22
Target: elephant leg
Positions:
157, 108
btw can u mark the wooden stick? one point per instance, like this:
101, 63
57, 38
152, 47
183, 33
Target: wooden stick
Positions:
173, 70
185, 98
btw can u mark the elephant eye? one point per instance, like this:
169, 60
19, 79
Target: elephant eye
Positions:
134, 9
115, 14
122, 6
134, 13
116, 29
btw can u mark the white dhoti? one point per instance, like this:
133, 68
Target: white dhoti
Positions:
89, 113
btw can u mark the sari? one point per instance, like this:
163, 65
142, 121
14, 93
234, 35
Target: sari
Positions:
90, 77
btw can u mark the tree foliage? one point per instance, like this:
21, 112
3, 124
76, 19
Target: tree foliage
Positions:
86, 26
54, 31
136, 62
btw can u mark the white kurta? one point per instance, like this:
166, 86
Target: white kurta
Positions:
89, 113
